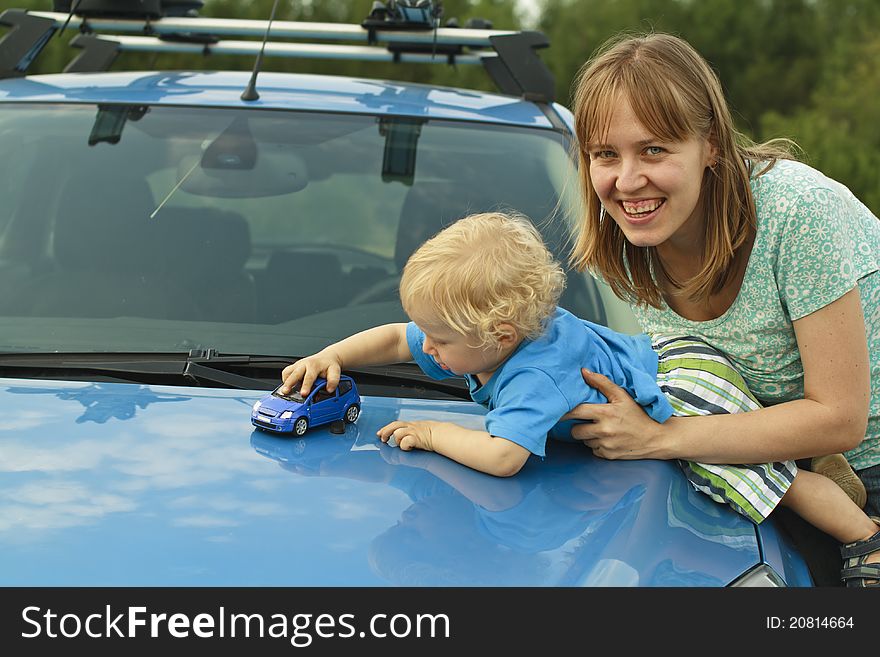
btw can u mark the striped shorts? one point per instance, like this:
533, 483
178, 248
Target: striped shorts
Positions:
697, 380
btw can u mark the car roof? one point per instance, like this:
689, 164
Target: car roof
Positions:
288, 91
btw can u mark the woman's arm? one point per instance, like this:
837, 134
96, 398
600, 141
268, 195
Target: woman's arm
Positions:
831, 418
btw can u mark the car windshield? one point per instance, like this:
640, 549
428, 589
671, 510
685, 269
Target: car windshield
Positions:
135, 228
292, 396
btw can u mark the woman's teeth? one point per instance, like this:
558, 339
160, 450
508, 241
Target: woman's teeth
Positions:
641, 208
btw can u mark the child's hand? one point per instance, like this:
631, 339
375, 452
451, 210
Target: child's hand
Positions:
409, 435
306, 370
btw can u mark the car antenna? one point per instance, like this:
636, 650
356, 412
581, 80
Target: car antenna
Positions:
73, 7
250, 93
436, 13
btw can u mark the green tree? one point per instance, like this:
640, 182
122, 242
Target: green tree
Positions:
764, 51
839, 131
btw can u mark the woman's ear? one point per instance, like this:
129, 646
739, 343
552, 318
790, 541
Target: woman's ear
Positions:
712, 151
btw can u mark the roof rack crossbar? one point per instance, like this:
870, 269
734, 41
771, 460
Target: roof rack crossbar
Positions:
280, 29
303, 50
509, 57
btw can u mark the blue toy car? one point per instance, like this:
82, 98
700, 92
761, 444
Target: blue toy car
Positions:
293, 413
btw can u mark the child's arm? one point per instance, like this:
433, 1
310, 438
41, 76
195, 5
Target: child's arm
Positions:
379, 345
476, 449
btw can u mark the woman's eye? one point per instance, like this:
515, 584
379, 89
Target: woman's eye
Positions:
653, 150
601, 155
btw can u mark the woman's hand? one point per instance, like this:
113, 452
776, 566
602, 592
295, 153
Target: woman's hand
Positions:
619, 429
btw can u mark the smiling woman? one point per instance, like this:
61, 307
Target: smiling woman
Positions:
709, 235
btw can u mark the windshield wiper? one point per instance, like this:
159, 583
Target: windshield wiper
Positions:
410, 376
198, 366
208, 366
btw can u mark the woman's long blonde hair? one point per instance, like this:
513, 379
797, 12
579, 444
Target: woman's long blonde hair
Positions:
675, 95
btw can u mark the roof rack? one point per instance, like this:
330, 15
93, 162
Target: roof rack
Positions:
509, 57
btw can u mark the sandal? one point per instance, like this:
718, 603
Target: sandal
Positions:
856, 572
838, 470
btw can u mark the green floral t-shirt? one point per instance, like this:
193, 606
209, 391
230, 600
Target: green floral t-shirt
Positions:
815, 242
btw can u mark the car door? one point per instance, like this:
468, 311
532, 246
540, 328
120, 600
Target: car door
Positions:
345, 396
325, 406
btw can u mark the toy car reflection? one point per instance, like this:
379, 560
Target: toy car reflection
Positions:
292, 413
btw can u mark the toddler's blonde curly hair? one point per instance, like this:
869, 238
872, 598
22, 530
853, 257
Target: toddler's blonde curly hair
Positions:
482, 271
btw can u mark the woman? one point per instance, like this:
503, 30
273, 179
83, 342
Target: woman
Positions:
769, 261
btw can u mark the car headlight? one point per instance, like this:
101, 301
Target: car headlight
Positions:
256, 406
760, 576
286, 415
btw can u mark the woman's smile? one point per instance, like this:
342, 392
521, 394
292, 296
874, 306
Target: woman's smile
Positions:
640, 212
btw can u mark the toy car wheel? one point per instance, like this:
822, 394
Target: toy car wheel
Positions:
351, 413
300, 426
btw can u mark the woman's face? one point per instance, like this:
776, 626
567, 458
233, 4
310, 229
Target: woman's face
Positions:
651, 188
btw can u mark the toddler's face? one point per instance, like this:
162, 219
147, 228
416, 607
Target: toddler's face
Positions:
455, 352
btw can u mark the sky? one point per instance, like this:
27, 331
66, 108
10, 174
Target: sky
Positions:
529, 11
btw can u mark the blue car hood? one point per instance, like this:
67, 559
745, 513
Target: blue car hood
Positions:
134, 485
277, 404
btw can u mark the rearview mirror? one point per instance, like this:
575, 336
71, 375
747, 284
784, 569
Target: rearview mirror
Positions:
274, 172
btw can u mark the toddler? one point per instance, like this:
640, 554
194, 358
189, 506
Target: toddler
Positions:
482, 297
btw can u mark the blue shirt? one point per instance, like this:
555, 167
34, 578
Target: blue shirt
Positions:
541, 380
